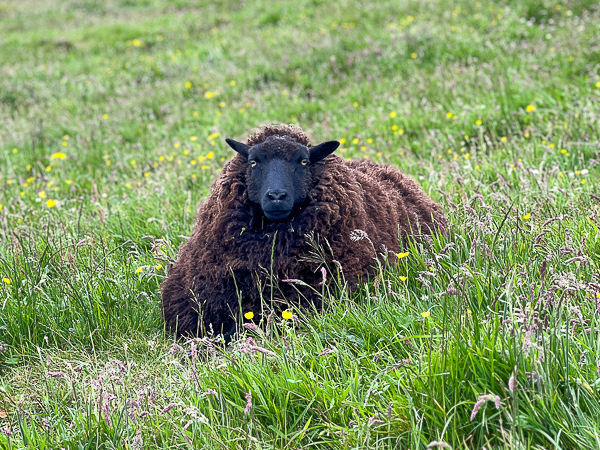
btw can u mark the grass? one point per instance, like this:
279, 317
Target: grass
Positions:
114, 115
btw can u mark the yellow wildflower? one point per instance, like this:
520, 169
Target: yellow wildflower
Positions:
478, 122
392, 114
139, 270
7, 280
425, 314
527, 216
286, 315
530, 108
51, 203
249, 315
42, 194
188, 84
403, 278
402, 255
58, 155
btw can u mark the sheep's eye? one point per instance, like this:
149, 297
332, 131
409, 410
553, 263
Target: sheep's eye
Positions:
253, 163
304, 162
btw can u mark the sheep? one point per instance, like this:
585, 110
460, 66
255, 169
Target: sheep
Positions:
252, 234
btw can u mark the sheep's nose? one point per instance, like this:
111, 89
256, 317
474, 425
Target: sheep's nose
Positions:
276, 194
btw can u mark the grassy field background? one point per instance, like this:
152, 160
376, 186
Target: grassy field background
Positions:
113, 117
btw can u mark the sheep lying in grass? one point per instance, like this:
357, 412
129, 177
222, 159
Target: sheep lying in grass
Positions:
253, 230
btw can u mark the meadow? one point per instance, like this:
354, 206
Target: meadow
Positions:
113, 116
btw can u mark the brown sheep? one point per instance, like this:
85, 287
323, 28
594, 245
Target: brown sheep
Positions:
252, 232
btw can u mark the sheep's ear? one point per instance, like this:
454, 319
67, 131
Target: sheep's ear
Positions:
242, 149
322, 150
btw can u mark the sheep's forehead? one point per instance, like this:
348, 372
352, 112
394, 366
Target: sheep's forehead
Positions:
278, 147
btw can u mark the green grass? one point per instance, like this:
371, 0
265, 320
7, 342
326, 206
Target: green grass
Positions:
492, 106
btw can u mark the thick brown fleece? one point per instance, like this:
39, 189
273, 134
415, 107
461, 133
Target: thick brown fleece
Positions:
229, 259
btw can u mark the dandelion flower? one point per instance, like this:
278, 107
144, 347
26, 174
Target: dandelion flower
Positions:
355, 104
402, 255
583, 181
530, 109
7, 280
1, 207
598, 84
105, 116
158, 267
403, 278
286, 315
527, 216
478, 122
188, 84
209, 94
342, 141
15, 150
42, 194
392, 114
413, 55
249, 315
449, 115
51, 203
139, 270
232, 83
425, 314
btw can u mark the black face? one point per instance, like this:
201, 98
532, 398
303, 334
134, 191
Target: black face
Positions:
278, 173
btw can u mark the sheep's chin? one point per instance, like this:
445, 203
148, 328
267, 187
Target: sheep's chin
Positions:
277, 216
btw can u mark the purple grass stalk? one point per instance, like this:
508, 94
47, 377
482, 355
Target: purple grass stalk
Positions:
248, 407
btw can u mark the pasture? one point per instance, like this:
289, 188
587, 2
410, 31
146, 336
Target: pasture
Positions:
113, 116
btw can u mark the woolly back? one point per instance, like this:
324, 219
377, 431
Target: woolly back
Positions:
267, 131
